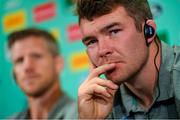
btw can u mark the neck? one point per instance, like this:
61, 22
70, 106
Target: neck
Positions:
41, 106
143, 86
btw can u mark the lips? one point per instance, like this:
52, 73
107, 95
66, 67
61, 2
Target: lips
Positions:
29, 80
29, 77
117, 63
111, 62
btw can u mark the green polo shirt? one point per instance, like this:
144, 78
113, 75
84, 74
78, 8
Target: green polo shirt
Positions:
166, 102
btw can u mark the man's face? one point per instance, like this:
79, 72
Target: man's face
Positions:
113, 38
34, 66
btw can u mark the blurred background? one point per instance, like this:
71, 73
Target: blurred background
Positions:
57, 17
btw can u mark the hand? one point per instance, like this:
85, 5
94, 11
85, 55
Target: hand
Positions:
96, 95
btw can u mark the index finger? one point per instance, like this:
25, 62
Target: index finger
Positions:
91, 66
100, 70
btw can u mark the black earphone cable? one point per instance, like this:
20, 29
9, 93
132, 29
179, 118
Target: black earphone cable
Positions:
157, 70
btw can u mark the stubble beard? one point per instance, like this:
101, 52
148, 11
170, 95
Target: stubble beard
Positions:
40, 91
128, 74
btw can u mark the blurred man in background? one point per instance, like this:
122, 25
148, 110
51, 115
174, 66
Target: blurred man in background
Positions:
36, 66
142, 73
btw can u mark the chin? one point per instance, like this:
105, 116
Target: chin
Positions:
31, 91
34, 94
112, 78
115, 78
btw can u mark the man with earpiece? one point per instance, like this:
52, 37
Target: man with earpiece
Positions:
142, 73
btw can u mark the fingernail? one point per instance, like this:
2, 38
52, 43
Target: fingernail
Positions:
108, 95
116, 86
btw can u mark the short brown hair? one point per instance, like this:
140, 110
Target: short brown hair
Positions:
139, 10
20, 35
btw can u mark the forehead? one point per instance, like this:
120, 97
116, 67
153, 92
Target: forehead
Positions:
119, 14
29, 44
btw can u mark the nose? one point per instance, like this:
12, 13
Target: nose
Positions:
28, 64
105, 48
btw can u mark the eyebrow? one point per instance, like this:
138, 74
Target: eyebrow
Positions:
110, 26
103, 29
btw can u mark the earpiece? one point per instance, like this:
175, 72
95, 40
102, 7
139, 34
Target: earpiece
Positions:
148, 33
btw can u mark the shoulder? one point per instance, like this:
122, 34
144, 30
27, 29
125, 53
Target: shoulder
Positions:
71, 109
65, 108
171, 56
177, 58
176, 77
69, 104
19, 115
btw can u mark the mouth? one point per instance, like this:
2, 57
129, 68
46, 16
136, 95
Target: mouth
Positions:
111, 62
28, 80
31, 77
109, 72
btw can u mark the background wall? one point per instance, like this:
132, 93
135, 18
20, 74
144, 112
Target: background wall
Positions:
57, 17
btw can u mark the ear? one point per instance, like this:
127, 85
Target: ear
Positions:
151, 23
59, 62
14, 75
